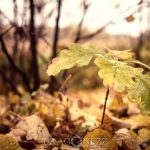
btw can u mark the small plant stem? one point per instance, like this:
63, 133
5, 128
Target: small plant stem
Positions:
142, 64
65, 82
104, 109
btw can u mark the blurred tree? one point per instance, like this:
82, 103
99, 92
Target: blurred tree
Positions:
33, 46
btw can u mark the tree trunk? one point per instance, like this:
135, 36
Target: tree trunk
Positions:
33, 47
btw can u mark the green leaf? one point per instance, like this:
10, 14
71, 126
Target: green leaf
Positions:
141, 91
75, 56
117, 73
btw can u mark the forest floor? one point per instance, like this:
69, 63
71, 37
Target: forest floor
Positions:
71, 120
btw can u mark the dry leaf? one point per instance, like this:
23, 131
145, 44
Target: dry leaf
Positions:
107, 123
143, 135
115, 105
119, 98
125, 140
99, 139
8, 143
34, 128
13, 98
139, 121
130, 18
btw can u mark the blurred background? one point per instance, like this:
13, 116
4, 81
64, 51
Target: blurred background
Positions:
33, 32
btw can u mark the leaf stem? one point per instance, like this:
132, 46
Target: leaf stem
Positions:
104, 109
142, 64
65, 81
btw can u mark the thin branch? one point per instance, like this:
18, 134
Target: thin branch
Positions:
79, 30
101, 29
140, 44
56, 33
13, 65
91, 35
6, 31
15, 115
140, 63
65, 82
46, 41
104, 109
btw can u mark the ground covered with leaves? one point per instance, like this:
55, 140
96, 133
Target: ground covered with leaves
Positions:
71, 120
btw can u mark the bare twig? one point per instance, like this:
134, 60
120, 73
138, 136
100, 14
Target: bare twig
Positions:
91, 35
46, 41
140, 43
104, 109
15, 115
101, 29
79, 30
56, 33
64, 83
140, 64
6, 31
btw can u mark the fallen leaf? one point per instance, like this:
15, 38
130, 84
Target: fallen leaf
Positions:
13, 98
143, 135
99, 139
130, 18
34, 128
8, 143
125, 140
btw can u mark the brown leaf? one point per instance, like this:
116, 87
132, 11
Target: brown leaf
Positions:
34, 128
99, 139
130, 18
125, 140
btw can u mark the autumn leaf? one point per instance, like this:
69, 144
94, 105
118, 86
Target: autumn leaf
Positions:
143, 135
75, 56
117, 73
141, 91
130, 18
119, 98
8, 143
126, 140
122, 55
99, 139
34, 128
